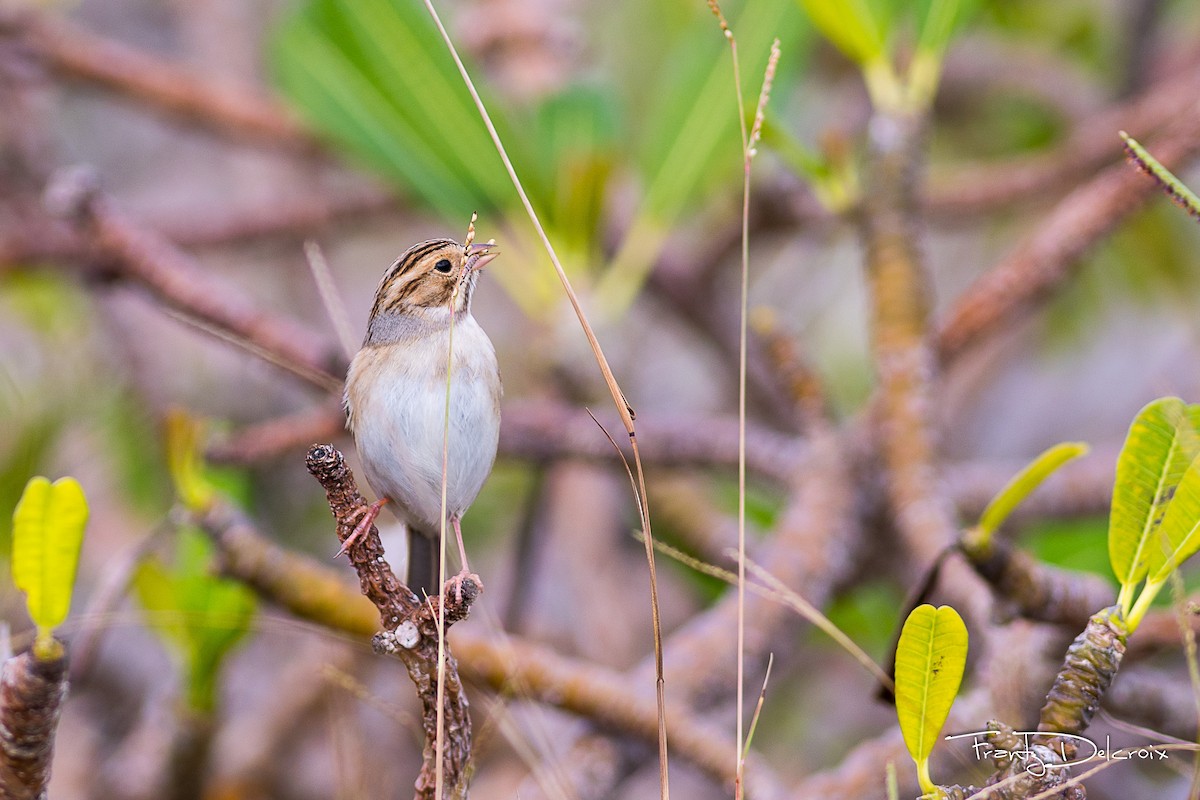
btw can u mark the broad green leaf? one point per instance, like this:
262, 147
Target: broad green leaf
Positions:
1024, 482
1178, 537
853, 26
48, 528
1162, 441
930, 658
375, 76
200, 616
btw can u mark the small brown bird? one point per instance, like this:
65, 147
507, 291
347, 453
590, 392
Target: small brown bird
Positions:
396, 398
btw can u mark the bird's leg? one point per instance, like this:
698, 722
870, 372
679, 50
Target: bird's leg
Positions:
368, 515
465, 572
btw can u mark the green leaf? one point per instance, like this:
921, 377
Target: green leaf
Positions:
184, 462
1162, 441
688, 143
1023, 484
201, 617
1178, 537
938, 21
853, 26
375, 77
48, 525
930, 658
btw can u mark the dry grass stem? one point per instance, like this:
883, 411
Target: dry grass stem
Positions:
622, 405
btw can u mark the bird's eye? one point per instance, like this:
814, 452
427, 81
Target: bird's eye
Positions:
443, 266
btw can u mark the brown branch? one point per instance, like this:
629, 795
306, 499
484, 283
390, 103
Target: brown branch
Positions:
1038, 591
411, 629
1050, 256
685, 280
517, 666
143, 257
76, 54
811, 549
300, 216
32, 691
900, 303
548, 431
279, 436
543, 431
1090, 146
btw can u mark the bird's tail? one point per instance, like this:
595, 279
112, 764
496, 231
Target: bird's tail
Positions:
423, 564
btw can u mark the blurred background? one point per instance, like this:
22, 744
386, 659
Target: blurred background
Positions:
219, 136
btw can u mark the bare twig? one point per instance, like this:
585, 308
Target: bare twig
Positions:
900, 305
145, 258
1090, 146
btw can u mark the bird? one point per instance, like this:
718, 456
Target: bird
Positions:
395, 399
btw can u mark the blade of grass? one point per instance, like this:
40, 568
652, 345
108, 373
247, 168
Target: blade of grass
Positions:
623, 408
742, 311
749, 139
335, 309
762, 696
781, 594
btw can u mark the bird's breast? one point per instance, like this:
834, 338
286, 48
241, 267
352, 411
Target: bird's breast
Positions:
396, 399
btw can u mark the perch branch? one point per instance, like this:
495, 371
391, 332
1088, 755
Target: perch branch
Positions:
316, 593
410, 629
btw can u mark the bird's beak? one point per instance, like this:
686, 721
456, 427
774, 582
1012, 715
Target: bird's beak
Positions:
478, 255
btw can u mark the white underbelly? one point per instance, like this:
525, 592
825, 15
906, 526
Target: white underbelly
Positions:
400, 423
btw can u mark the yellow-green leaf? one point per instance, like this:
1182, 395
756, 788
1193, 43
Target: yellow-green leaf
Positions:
1024, 482
1178, 536
200, 616
48, 525
1162, 441
851, 25
930, 658
184, 461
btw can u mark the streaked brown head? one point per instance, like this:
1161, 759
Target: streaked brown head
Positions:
427, 275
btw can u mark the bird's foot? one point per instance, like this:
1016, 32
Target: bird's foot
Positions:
457, 581
366, 518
